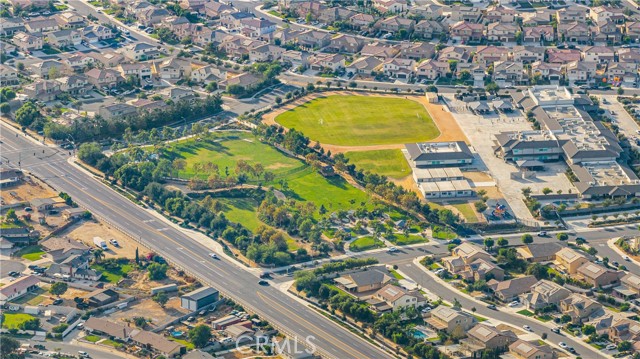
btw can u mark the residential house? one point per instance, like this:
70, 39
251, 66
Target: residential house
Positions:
297, 59
570, 260
42, 90
449, 319
632, 282
107, 58
116, 110
140, 51
579, 307
389, 6
64, 38
101, 297
74, 266
139, 70
193, 5
379, 50
266, 52
26, 42
207, 74
172, 68
481, 269
629, 55
600, 13
104, 77
370, 279
484, 337
365, 66
467, 31
509, 290
543, 294
572, 13
41, 24
392, 297
598, 276
539, 252
115, 330
573, 32
74, 84
508, 73
536, 34
333, 14
463, 13
178, 93
500, 14
632, 30
158, 344
563, 56
18, 288
233, 20
361, 21
428, 29
321, 62
552, 72
214, 9
503, 32
11, 25
487, 55
398, 68
245, 80
469, 252
527, 54
314, 39
432, 69
417, 50
345, 43
69, 20
61, 248
46, 68
527, 350
257, 28
624, 329
624, 72
460, 54
598, 54
152, 16
78, 61
606, 31
395, 24
8, 76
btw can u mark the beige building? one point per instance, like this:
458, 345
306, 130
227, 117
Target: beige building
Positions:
448, 319
570, 260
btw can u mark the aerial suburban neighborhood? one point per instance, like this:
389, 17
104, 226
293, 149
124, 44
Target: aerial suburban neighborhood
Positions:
302, 179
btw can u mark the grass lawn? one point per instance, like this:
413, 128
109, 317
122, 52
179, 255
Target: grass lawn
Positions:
31, 253
544, 318
444, 234
111, 343
34, 297
361, 120
303, 182
396, 275
402, 240
365, 243
13, 320
390, 163
244, 211
479, 318
467, 212
525, 312
112, 275
92, 338
187, 344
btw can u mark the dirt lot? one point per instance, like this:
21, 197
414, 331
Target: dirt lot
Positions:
149, 309
85, 231
31, 188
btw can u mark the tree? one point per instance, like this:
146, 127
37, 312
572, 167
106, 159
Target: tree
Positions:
11, 215
200, 335
161, 298
488, 243
492, 87
5, 108
588, 329
31, 324
624, 346
211, 86
503, 242
58, 288
27, 114
157, 271
140, 322
562, 236
8, 346
90, 153
527, 238
98, 254
137, 256
546, 190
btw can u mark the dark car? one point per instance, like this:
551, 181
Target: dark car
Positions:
57, 301
492, 307
14, 274
265, 275
263, 283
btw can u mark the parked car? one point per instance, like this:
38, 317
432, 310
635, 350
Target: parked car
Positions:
263, 283
611, 347
514, 304
556, 330
527, 328
542, 234
492, 307
265, 275
392, 249
57, 301
563, 345
114, 243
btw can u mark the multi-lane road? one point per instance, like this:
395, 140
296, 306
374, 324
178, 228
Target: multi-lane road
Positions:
285, 313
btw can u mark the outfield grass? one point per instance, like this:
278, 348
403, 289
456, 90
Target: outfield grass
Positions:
361, 120
365, 243
13, 320
390, 163
112, 276
30, 253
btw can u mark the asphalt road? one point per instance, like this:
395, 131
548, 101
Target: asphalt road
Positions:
285, 313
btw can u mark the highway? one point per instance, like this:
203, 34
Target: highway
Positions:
285, 313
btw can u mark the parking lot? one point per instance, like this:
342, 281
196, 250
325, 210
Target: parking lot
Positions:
480, 130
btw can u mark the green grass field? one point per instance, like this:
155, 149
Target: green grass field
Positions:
402, 240
390, 163
361, 120
365, 243
304, 183
13, 320
92, 338
467, 212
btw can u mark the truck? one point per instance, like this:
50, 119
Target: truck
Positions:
100, 243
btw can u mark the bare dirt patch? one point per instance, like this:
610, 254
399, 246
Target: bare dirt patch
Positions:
85, 231
515, 330
149, 309
29, 189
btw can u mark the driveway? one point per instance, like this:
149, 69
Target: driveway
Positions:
10, 266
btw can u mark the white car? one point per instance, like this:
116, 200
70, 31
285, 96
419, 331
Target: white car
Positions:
513, 304
563, 345
527, 328
213, 255
392, 249
611, 347
439, 271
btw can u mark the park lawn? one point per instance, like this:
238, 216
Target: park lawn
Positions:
14, 320
226, 149
361, 120
244, 211
389, 163
30, 253
92, 338
467, 212
365, 243
112, 275
187, 344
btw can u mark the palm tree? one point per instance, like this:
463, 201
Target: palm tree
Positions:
98, 254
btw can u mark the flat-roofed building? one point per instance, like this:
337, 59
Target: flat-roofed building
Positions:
439, 154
